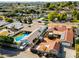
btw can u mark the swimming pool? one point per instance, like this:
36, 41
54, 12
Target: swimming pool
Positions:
20, 36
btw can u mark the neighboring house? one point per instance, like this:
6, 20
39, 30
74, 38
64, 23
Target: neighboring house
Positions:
31, 7
16, 25
3, 23
50, 44
10, 25
66, 8
65, 32
4, 32
35, 34
77, 7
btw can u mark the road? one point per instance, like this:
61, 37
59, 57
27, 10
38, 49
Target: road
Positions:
25, 54
69, 53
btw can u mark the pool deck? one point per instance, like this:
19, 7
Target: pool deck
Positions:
26, 27
32, 28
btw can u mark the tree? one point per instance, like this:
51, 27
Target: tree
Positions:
29, 21
6, 39
32, 11
8, 20
74, 14
75, 3
69, 3
63, 4
47, 5
1, 17
37, 12
58, 4
78, 16
52, 15
62, 16
58, 8
52, 6
75, 20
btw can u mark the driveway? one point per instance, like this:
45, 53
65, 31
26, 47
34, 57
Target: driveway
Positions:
70, 53
26, 54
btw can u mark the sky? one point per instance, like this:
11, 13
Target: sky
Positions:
35, 0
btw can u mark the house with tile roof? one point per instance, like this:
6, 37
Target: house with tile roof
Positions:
65, 32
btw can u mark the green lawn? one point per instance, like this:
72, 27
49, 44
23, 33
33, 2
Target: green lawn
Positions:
77, 50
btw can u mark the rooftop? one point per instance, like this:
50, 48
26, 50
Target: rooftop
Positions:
66, 31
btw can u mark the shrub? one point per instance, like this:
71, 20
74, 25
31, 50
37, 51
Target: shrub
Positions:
52, 6
6, 39
52, 15
1, 17
8, 20
62, 17
77, 41
75, 20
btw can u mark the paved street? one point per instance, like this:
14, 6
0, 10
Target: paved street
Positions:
25, 54
69, 53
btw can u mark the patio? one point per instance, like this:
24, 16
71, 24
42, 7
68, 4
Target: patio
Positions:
31, 27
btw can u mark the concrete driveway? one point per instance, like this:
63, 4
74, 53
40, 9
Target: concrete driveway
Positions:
70, 53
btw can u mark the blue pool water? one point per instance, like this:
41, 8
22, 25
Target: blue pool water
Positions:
21, 36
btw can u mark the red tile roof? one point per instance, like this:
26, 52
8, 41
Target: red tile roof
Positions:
69, 34
49, 45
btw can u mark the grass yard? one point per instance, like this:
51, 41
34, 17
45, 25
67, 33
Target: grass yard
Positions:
77, 50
